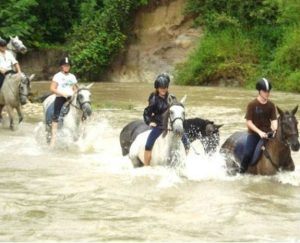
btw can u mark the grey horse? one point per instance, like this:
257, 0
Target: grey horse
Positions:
15, 46
13, 94
73, 114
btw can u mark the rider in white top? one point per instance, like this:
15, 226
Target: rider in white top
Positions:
7, 62
65, 82
63, 86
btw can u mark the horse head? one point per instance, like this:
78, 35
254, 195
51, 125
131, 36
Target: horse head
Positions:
173, 119
24, 87
213, 137
16, 45
287, 124
83, 100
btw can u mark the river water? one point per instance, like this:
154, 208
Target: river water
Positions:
90, 192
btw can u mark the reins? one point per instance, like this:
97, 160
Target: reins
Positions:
281, 140
70, 103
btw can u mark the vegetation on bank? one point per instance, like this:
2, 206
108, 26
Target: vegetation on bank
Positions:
92, 32
244, 40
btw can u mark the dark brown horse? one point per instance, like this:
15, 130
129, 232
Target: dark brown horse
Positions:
275, 154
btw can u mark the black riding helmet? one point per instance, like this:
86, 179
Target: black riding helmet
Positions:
64, 61
162, 81
2, 42
263, 84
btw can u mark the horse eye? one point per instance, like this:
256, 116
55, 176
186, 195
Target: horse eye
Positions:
80, 97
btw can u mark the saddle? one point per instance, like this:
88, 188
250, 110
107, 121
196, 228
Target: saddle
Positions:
240, 148
63, 112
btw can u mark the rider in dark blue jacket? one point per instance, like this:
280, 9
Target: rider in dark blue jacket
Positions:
159, 102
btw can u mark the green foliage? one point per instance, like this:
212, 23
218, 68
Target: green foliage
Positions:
16, 17
55, 20
221, 55
265, 43
100, 34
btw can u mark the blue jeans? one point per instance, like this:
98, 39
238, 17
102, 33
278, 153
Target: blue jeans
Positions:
156, 132
252, 141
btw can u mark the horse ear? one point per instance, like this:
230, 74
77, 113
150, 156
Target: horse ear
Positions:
10, 37
90, 85
31, 76
219, 126
279, 111
295, 110
182, 101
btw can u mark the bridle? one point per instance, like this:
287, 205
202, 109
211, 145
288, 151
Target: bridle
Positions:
171, 121
15, 46
79, 105
282, 139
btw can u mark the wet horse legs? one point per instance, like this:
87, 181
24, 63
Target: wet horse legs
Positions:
1, 108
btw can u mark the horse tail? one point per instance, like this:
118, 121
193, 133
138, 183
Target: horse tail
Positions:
40, 98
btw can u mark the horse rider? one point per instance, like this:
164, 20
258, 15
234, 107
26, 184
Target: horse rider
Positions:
8, 64
260, 120
159, 101
63, 85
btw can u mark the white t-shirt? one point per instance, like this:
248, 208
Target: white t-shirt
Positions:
7, 60
65, 82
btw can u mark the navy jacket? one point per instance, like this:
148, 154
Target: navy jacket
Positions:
157, 106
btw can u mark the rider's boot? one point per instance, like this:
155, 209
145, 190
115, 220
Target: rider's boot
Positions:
53, 135
147, 157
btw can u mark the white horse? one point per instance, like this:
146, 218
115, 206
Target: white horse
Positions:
73, 114
168, 149
13, 94
15, 45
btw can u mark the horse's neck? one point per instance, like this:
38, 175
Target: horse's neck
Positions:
277, 147
74, 115
172, 141
11, 49
13, 82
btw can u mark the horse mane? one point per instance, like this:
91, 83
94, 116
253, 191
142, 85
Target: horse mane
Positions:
197, 123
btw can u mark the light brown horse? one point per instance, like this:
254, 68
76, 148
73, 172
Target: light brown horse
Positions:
276, 151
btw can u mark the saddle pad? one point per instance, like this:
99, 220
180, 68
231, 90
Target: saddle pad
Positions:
239, 149
50, 111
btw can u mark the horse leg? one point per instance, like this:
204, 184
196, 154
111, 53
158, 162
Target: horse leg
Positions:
10, 114
48, 133
289, 165
136, 162
20, 114
1, 108
53, 134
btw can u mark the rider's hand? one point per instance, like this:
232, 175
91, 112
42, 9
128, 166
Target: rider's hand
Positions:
263, 134
152, 124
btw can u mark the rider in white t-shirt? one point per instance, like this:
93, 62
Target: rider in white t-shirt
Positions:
63, 85
7, 62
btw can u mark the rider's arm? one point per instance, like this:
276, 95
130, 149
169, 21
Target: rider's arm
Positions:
18, 68
274, 125
255, 129
148, 111
53, 89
